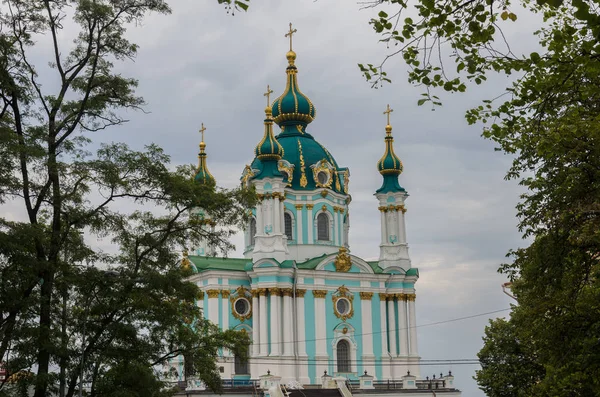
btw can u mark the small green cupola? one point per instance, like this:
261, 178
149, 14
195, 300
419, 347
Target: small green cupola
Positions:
292, 107
389, 166
269, 151
203, 176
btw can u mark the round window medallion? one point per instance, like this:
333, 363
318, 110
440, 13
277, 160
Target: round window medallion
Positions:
242, 306
322, 177
343, 306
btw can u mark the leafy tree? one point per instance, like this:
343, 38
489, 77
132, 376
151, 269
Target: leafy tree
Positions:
58, 308
547, 120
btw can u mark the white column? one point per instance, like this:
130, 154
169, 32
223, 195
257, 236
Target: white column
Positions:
225, 310
403, 325
301, 335
320, 334
262, 317
334, 217
367, 319
213, 306
401, 227
288, 348
299, 218
392, 325
260, 219
255, 325
383, 232
412, 318
310, 222
385, 368
275, 296
276, 215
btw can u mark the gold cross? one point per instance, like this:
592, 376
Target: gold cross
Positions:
268, 94
388, 111
202, 131
289, 34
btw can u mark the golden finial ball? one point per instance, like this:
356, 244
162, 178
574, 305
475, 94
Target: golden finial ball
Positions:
268, 110
291, 56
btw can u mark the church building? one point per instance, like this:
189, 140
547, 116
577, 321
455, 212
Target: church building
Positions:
310, 307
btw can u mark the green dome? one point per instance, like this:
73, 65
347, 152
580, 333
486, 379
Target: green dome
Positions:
268, 148
389, 162
300, 153
293, 107
203, 176
390, 166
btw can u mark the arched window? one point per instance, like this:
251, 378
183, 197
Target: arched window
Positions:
343, 356
252, 230
323, 227
287, 221
241, 366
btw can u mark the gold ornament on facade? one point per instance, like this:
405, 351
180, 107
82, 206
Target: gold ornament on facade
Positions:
286, 292
319, 293
200, 295
241, 293
401, 297
185, 261
324, 208
286, 168
342, 261
262, 291
346, 180
300, 293
343, 293
345, 330
303, 180
322, 166
225, 293
366, 296
338, 187
383, 296
213, 293
324, 193
309, 206
254, 293
411, 297
246, 175
298, 206
275, 291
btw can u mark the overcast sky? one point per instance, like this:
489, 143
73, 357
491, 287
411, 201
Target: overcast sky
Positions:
201, 65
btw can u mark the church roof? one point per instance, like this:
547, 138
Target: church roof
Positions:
215, 263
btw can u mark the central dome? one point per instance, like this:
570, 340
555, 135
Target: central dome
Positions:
293, 107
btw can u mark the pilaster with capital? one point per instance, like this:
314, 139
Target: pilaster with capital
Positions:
275, 295
213, 305
402, 324
262, 316
367, 320
255, 324
412, 318
288, 348
392, 327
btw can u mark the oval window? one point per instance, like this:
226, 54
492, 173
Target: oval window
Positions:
343, 306
322, 177
242, 306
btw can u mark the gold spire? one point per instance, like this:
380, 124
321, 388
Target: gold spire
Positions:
387, 112
268, 95
290, 33
202, 144
291, 55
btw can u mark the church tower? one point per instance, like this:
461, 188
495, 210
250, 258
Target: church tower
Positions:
393, 250
203, 177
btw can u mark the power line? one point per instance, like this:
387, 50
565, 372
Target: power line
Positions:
398, 329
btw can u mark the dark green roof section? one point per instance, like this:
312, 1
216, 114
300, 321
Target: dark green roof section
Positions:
312, 263
413, 271
375, 266
203, 263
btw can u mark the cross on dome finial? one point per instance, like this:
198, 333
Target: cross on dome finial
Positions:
290, 33
388, 111
268, 95
202, 131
